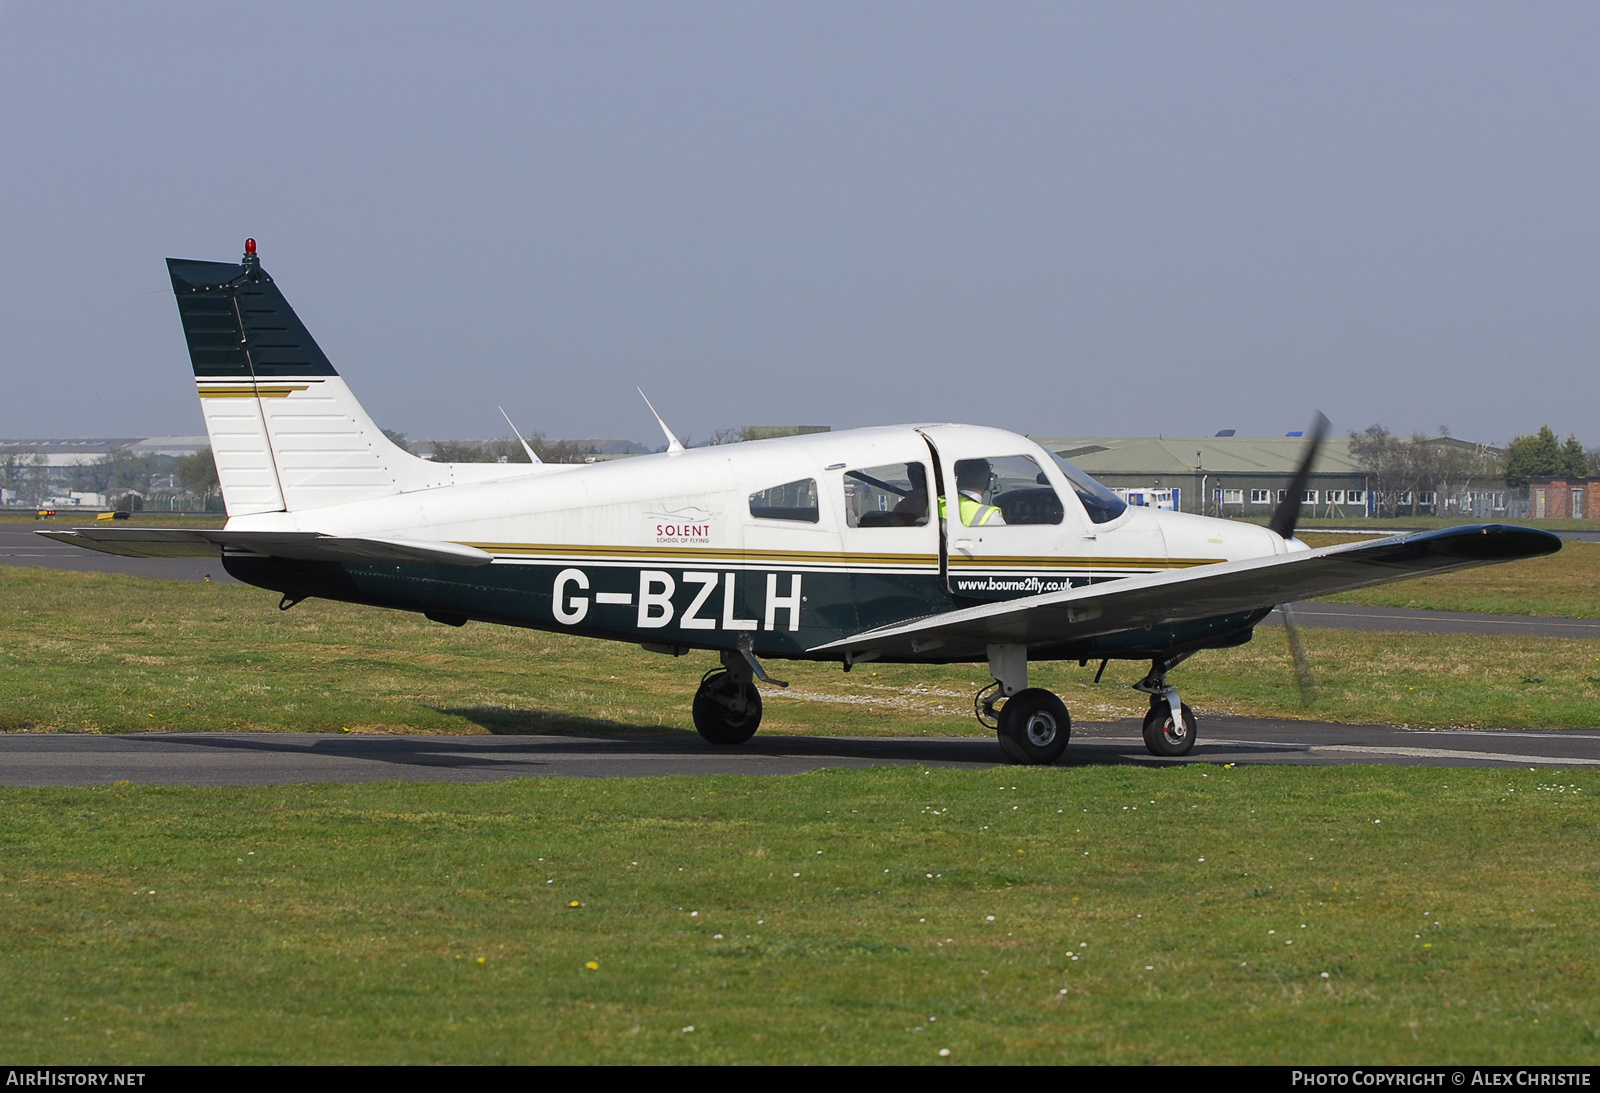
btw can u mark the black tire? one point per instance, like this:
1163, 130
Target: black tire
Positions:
1162, 738
1034, 727
715, 716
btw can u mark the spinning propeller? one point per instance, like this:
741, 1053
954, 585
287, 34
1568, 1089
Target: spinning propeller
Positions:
1283, 521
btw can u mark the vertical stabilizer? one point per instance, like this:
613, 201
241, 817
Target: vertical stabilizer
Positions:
286, 432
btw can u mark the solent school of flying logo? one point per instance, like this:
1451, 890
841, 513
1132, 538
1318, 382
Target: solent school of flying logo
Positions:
687, 526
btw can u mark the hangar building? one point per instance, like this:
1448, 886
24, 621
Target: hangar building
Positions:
1220, 475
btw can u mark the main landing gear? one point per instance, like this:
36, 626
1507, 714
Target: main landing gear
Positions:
727, 707
1169, 727
1033, 725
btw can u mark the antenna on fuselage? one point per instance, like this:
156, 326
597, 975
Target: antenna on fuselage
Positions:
531, 457
673, 443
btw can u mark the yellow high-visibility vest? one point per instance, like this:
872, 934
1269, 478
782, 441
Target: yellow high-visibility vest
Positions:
975, 513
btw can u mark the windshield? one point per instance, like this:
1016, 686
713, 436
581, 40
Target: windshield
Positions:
1102, 505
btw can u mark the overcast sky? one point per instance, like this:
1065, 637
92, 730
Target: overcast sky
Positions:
1066, 219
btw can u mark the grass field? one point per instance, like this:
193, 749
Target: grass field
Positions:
87, 652
1256, 915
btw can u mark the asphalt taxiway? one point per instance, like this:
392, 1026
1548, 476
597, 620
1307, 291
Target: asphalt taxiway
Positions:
244, 759
20, 546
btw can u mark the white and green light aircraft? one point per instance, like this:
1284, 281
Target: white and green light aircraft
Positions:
930, 543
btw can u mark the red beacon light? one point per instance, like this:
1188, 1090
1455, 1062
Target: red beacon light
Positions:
249, 246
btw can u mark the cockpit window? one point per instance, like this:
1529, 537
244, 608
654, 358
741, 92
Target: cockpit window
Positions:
1003, 490
892, 496
1101, 504
790, 501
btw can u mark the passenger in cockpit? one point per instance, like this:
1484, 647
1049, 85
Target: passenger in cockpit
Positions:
913, 507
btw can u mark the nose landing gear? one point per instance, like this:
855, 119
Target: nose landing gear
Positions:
1169, 727
1165, 735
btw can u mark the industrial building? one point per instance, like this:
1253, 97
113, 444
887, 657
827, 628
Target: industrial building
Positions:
1566, 498
1246, 476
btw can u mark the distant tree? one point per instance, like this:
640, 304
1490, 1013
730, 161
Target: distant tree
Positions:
510, 451
505, 451
36, 487
560, 451
1574, 460
459, 451
1445, 469
12, 472
1538, 456
118, 471
95, 477
1382, 455
197, 473
488, 451
399, 440
1594, 461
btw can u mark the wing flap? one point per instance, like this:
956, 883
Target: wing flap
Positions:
1229, 588
304, 546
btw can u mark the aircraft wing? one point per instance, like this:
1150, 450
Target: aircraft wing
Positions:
1227, 588
305, 546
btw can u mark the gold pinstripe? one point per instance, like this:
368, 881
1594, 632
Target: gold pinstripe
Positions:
701, 554
957, 562
258, 390
804, 557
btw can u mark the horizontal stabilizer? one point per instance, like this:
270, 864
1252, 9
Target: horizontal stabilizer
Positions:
303, 546
1174, 596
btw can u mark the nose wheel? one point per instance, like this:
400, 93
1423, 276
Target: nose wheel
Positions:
1165, 735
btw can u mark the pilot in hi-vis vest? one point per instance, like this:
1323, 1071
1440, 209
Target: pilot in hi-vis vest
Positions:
972, 482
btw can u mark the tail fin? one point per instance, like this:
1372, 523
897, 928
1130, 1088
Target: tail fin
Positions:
286, 432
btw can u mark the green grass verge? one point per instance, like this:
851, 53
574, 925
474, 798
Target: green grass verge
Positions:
1252, 915
91, 652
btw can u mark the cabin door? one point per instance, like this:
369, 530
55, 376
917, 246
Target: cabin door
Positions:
1005, 525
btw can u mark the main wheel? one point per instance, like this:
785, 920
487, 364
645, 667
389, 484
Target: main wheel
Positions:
1034, 727
719, 714
1162, 737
